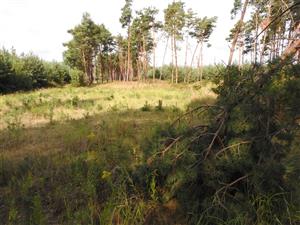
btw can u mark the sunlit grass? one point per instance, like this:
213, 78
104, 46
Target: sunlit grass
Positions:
53, 120
60, 104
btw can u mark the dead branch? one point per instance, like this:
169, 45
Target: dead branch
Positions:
208, 150
224, 188
206, 107
231, 146
171, 145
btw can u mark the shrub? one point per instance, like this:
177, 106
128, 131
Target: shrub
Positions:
146, 107
77, 77
159, 107
27, 72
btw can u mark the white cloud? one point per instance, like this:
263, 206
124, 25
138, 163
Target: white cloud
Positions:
40, 26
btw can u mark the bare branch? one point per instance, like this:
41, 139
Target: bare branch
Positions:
231, 146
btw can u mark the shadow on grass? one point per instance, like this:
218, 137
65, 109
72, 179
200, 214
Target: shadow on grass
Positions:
78, 170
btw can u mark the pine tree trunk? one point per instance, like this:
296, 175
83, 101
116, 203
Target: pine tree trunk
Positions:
176, 66
255, 41
100, 68
145, 63
262, 49
201, 64
185, 59
237, 33
154, 46
164, 57
192, 62
139, 69
172, 46
294, 46
240, 56
200, 61
261, 56
128, 55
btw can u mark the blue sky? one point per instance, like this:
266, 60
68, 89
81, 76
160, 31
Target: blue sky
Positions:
40, 26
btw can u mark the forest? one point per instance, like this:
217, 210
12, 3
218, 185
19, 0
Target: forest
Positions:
115, 135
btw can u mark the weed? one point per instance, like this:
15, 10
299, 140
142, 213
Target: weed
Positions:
146, 107
37, 211
75, 101
99, 107
110, 98
159, 107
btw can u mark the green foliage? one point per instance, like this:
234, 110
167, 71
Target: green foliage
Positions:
86, 50
77, 77
37, 212
202, 28
58, 73
236, 8
165, 73
27, 72
238, 165
175, 19
126, 16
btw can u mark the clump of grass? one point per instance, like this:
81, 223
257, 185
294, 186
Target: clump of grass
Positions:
175, 109
99, 107
14, 127
110, 98
159, 107
114, 108
75, 101
146, 107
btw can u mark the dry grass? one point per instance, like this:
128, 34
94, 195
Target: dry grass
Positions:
60, 104
48, 121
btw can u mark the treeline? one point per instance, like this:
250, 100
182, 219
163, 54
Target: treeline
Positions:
28, 72
99, 55
260, 38
95, 55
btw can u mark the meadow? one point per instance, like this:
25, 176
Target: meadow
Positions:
60, 149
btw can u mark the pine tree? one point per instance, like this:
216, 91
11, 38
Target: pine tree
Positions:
125, 20
174, 24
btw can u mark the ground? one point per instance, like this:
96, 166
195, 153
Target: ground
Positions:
52, 119
46, 135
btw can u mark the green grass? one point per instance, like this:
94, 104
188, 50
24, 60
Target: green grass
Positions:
61, 104
70, 155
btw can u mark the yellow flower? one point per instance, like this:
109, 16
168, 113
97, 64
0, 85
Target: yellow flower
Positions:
105, 175
91, 136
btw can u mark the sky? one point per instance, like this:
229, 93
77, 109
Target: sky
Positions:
40, 26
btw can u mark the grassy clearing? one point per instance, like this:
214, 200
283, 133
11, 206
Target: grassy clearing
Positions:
52, 119
66, 154
61, 104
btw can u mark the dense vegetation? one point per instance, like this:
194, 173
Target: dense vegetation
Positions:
223, 151
59, 148
28, 72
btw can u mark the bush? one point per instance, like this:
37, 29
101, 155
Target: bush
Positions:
28, 72
239, 167
146, 107
58, 73
77, 77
